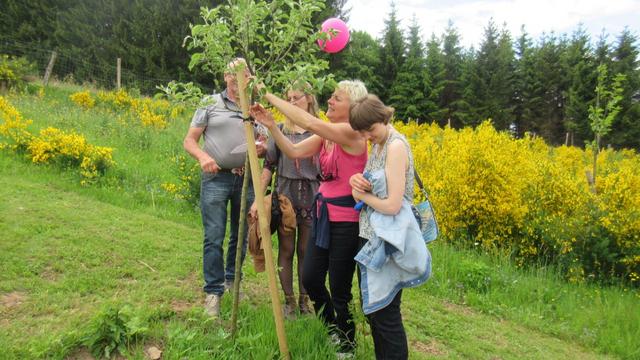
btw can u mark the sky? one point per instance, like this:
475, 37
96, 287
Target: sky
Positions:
470, 17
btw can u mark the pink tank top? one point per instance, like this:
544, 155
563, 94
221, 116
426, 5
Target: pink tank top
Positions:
337, 166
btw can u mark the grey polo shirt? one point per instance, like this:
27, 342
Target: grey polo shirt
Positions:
224, 131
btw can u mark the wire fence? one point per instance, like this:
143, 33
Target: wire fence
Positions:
70, 68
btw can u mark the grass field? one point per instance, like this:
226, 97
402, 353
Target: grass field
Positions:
76, 258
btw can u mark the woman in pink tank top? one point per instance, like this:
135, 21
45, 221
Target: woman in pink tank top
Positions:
335, 241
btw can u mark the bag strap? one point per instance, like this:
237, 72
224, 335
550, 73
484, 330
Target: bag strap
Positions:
416, 176
278, 155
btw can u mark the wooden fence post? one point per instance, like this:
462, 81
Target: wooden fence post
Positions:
118, 69
47, 72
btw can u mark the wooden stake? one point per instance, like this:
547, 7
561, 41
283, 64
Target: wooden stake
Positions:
241, 236
47, 72
265, 231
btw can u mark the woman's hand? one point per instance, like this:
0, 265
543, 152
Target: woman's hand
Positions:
262, 115
357, 195
253, 211
359, 183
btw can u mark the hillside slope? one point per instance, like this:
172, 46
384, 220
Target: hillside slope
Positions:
66, 255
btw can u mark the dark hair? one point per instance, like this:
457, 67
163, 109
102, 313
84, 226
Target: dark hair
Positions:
368, 111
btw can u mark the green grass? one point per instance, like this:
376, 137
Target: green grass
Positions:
68, 256
69, 252
143, 155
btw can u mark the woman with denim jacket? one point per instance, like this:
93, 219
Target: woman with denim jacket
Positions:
391, 158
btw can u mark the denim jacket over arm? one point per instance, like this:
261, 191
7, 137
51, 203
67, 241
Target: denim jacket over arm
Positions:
395, 258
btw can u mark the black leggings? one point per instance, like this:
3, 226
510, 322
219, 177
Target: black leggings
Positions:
333, 308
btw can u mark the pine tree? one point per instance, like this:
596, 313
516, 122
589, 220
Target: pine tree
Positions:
434, 83
332, 8
603, 50
524, 83
146, 34
407, 90
548, 72
31, 22
492, 85
469, 113
360, 60
580, 71
391, 53
503, 82
451, 101
626, 129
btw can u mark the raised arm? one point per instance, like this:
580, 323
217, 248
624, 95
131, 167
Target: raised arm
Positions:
304, 149
342, 133
395, 169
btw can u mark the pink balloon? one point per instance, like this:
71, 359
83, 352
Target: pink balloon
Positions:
337, 42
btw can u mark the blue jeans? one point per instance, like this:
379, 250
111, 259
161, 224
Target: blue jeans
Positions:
216, 192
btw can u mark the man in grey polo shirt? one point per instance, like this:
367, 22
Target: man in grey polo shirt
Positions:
221, 127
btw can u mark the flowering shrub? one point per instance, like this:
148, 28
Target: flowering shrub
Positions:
148, 112
496, 192
118, 99
83, 99
13, 128
53, 146
188, 188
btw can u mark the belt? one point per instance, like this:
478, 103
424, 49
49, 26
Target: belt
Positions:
228, 171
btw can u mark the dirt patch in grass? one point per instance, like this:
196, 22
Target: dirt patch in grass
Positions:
12, 299
152, 352
432, 348
460, 309
80, 354
191, 282
50, 274
181, 306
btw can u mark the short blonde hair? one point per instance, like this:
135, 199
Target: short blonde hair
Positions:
355, 88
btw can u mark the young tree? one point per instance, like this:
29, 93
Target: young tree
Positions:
603, 113
277, 39
278, 42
